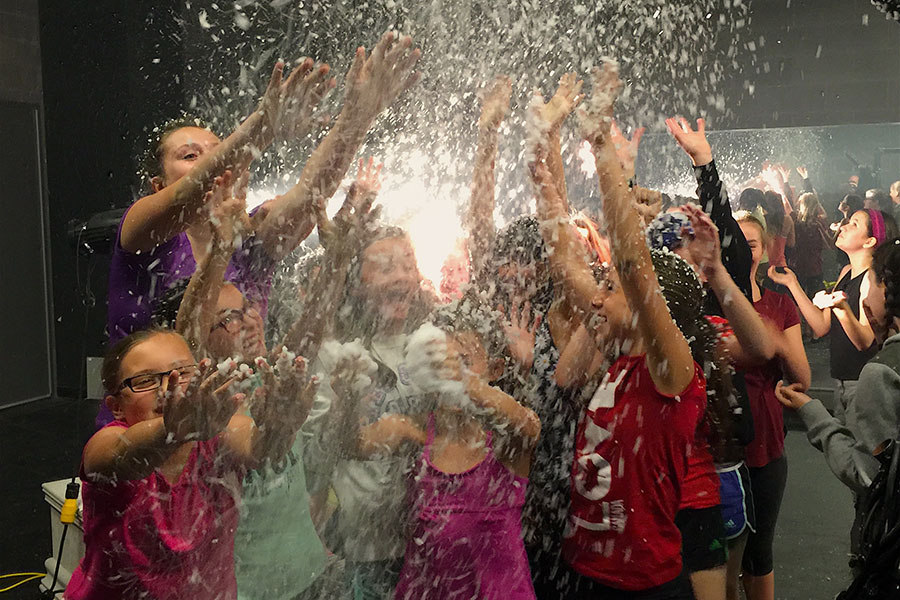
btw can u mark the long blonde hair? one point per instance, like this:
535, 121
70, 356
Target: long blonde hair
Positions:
810, 207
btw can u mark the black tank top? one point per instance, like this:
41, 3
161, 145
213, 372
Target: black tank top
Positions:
846, 360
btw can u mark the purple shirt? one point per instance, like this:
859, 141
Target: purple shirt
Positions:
138, 280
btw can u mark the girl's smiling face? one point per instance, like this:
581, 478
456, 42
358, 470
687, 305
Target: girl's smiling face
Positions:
162, 353
389, 278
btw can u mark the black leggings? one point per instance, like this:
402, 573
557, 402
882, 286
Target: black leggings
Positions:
767, 484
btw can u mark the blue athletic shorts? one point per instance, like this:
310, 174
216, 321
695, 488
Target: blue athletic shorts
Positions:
737, 500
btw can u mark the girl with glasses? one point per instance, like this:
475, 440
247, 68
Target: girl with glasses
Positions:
162, 482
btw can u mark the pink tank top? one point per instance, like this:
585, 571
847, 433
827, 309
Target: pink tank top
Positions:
149, 538
467, 533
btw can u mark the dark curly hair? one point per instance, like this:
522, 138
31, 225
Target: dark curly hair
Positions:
472, 313
886, 267
521, 242
751, 198
683, 293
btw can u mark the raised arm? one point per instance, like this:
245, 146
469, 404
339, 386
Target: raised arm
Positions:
156, 218
668, 354
197, 312
279, 407
199, 412
342, 237
817, 316
807, 183
480, 216
713, 198
372, 84
754, 345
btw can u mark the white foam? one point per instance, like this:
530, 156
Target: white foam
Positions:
426, 352
356, 353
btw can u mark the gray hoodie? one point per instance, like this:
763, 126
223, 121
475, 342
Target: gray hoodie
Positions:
873, 416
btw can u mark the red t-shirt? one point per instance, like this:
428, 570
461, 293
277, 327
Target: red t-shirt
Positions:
700, 488
768, 418
631, 456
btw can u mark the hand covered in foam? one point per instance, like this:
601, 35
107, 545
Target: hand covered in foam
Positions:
595, 118
435, 367
286, 395
354, 371
203, 408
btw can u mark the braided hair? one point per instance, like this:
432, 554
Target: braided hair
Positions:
886, 267
684, 296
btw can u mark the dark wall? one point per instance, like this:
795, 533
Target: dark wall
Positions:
817, 62
102, 88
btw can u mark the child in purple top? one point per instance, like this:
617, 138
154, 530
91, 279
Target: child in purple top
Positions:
164, 235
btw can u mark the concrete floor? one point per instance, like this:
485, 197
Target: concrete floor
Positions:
42, 442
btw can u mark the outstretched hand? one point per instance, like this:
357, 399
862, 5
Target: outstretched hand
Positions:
803, 172
289, 106
346, 229
227, 202
286, 396
374, 82
694, 143
520, 327
786, 278
200, 410
495, 105
568, 95
596, 116
626, 149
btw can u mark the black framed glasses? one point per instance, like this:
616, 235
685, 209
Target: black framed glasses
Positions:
146, 382
233, 320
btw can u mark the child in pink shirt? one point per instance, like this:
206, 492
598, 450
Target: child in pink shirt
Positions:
162, 482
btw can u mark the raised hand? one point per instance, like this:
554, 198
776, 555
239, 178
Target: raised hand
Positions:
203, 408
784, 171
286, 396
495, 104
355, 214
802, 172
568, 95
773, 177
288, 107
626, 149
694, 143
787, 278
227, 202
520, 327
373, 83
595, 118
706, 249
